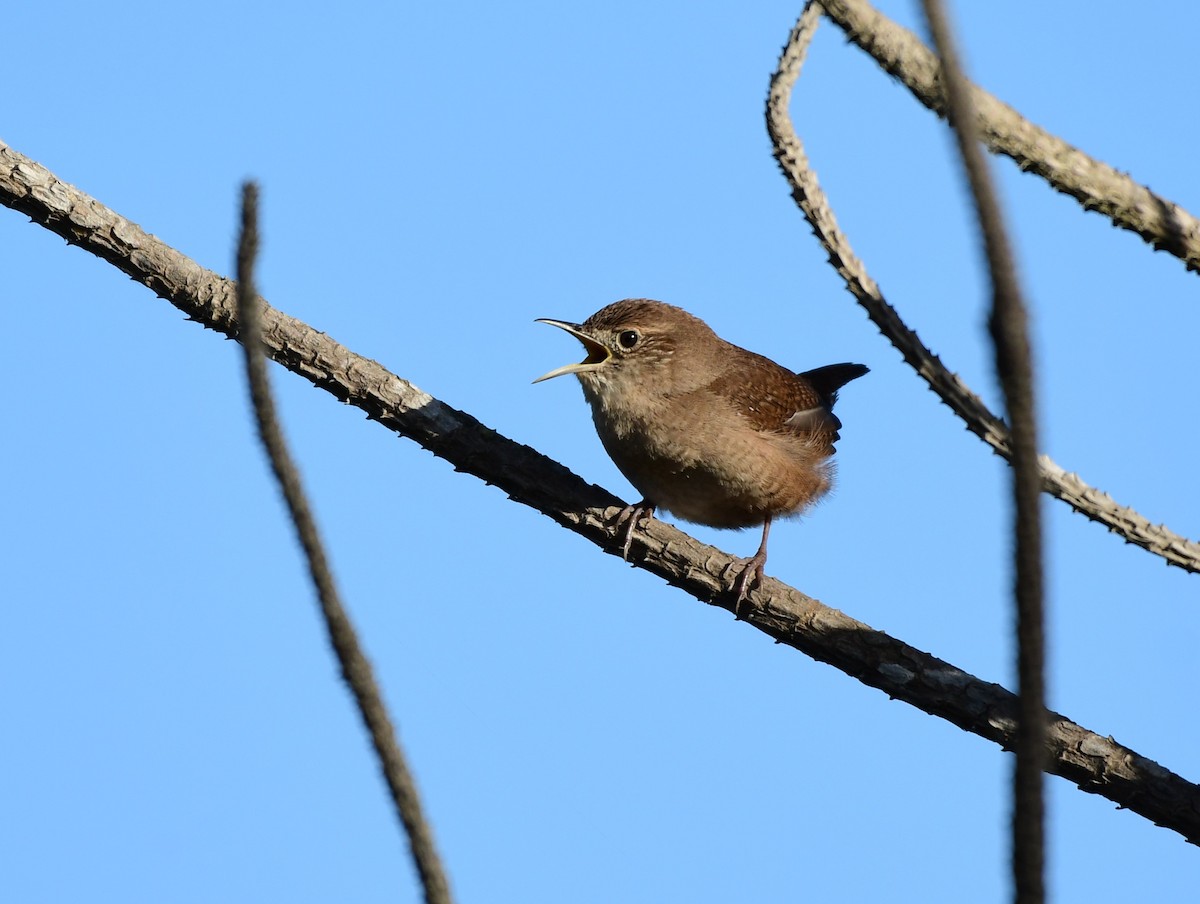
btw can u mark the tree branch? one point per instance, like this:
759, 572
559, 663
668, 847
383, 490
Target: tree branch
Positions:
811, 199
1095, 185
356, 668
1095, 763
1009, 324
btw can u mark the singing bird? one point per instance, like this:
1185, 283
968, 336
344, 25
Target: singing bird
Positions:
703, 429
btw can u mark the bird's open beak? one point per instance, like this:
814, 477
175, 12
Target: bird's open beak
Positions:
597, 354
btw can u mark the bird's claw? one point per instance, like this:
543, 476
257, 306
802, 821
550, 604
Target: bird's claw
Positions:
627, 522
752, 574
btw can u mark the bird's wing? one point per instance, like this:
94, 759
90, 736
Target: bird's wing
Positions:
775, 400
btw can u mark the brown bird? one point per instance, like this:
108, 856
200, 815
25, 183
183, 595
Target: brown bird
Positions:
702, 428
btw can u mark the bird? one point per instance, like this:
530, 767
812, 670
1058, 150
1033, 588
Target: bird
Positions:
701, 428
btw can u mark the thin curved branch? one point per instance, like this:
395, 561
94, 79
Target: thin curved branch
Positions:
1162, 223
1009, 325
356, 667
1097, 764
810, 197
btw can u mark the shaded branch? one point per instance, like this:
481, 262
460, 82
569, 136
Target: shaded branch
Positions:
1095, 185
810, 197
1009, 326
1097, 764
356, 668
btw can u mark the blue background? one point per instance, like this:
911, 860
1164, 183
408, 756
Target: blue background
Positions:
436, 176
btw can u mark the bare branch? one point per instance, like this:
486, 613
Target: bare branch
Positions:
811, 198
1009, 325
1097, 764
356, 668
1095, 185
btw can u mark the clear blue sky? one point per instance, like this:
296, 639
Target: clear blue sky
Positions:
436, 176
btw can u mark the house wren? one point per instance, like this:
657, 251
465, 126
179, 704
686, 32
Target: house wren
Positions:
702, 428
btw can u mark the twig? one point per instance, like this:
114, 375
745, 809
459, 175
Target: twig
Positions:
356, 668
1009, 325
1095, 185
810, 197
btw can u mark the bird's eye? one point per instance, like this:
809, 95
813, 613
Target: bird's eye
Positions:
628, 338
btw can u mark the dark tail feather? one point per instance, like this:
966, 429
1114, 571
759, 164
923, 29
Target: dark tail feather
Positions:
829, 379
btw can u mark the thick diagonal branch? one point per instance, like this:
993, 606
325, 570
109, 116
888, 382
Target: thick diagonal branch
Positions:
1095, 763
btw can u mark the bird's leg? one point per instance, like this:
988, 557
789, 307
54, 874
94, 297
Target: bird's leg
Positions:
631, 514
752, 571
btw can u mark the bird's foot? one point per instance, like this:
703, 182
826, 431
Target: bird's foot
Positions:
627, 522
752, 573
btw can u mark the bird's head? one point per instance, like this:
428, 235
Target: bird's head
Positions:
640, 343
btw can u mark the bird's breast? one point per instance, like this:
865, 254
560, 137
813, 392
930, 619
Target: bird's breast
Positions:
700, 459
